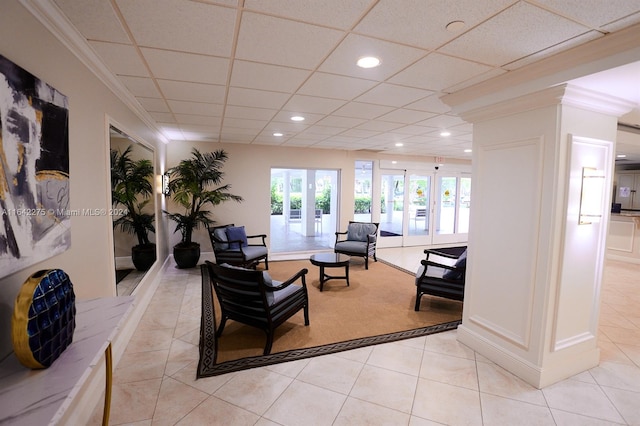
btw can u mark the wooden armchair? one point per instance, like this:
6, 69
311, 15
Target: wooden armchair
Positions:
444, 278
253, 298
231, 246
358, 240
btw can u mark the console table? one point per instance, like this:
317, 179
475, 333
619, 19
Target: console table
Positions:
41, 397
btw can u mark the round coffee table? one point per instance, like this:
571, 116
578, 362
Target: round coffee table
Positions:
331, 260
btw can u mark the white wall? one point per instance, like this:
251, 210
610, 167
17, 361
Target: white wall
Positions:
89, 261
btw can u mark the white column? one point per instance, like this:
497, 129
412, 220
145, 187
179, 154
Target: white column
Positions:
309, 203
534, 274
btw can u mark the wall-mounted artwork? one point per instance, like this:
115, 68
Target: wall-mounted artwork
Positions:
34, 169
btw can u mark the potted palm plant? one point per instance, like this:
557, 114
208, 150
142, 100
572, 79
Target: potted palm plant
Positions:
195, 184
131, 191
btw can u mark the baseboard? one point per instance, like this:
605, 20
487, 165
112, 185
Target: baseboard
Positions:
561, 368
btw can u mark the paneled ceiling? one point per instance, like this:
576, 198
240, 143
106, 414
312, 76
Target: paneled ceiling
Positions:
236, 71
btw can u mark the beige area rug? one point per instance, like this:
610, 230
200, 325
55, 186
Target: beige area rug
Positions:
377, 307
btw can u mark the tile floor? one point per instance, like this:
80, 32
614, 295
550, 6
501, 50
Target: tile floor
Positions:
431, 380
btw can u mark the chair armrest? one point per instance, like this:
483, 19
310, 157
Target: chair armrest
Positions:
440, 253
300, 274
427, 263
263, 236
338, 236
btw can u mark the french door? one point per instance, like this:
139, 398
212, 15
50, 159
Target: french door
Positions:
418, 208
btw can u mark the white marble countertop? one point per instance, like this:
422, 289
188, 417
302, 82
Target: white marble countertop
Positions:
41, 397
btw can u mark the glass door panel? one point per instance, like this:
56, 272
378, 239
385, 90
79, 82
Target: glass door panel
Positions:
464, 206
446, 209
363, 187
419, 205
392, 205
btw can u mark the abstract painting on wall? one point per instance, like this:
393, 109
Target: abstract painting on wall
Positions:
34, 169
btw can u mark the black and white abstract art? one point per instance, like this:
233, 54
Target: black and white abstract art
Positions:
34, 169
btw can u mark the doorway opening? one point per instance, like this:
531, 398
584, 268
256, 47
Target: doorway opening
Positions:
304, 209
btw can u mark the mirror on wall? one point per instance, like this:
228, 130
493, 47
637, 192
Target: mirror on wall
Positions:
133, 208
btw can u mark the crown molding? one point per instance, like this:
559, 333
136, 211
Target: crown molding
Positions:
54, 20
563, 94
609, 51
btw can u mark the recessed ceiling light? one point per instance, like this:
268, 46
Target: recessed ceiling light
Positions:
278, 134
445, 133
467, 150
455, 26
621, 156
399, 144
394, 162
368, 62
297, 118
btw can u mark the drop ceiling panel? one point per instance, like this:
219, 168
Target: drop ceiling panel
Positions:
95, 19
196, 92
253, 75
189, 67
393, 95
197, 119
362, 110
335, 86
513, 34
196, 108
140, 86
437, 72
233, 111
153, 104
278, 41
423, 23
180, 25
331, 13
121, 59
430, 104
256, 98
594, 13
406, 116
302, 103
396, 57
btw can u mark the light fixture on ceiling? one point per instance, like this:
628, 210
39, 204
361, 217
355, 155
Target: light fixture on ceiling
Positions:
445, 133
621, 156
468, 150
455, 26
278, 134
297, 118
591, 196
368, 62
399, 144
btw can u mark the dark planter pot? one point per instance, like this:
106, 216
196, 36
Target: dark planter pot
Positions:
143, 256
186, 256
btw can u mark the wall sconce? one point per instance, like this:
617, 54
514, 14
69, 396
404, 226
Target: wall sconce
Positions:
165, 184
591, 196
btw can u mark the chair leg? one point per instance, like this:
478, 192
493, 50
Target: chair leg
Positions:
266, 263
267, 347
223, 321
366, 262
418, 296
306, 314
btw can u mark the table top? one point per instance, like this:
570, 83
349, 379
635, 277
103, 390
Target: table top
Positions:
41, 397
330, 259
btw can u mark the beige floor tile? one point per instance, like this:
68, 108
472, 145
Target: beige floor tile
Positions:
289, 369
563, 418
418, 421
611, 352
153, 320
615, 375
214, 411
627, 403
359, 355
447, 343
150, 340
133, 402
175, 401
501, 411
254, 390
581, 398
331, 372
447, 404
396, 357
622, 335
209, 385
358, 412
305, 404
449, 369
138, 366
181, 354
632, 352
495, 380
385, 387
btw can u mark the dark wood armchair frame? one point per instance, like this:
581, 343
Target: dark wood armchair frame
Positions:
238, 257
437, 285
370, 248
243, 297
